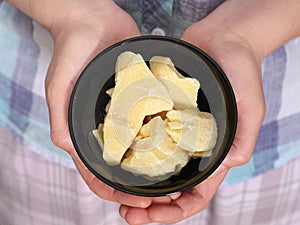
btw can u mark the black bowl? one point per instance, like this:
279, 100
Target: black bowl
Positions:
88, 101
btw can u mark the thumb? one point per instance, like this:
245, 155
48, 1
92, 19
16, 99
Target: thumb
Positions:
71, 54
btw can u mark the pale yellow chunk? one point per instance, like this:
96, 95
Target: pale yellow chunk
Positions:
198, 132
207, 153
150, 135
144, 131
183, 90
165, 158
110, 91
175, 125
98, 134
137, 93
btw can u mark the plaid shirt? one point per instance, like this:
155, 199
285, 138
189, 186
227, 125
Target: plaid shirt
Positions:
172, 17
26, 50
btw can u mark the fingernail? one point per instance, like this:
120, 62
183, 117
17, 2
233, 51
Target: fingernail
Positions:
123, 210
175, 196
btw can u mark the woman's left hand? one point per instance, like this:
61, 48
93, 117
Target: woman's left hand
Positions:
243, 67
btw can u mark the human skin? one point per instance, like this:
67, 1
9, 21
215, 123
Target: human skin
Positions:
238, 35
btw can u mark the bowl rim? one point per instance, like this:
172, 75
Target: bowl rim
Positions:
231, 98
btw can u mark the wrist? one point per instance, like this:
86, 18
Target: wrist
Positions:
262, 25
221, 41
56, 14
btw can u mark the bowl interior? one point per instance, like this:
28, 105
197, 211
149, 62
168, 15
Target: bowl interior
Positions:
88, 102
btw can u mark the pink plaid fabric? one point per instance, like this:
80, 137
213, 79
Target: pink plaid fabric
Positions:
35, 191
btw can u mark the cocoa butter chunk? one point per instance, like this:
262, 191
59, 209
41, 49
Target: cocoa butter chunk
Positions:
137, 93
183, 90
194, 131
156, 154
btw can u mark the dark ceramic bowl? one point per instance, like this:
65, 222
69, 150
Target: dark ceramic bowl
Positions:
88, 101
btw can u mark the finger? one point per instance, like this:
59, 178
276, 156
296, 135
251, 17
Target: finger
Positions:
123, 210
95, 185
163, 213
154, 200
244, 143
62, 139
143, 214
165, 199
175, 196
135, 216
251, 112
161, 200
106, 192
67, 62
132, 200
190, 203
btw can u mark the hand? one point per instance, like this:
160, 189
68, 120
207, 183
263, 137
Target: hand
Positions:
84, 34
243, 68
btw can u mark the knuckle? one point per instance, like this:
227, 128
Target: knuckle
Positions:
244, 158
56, 140
261, 112
59, 141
